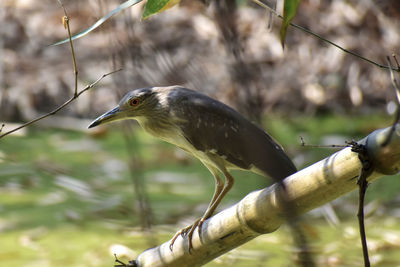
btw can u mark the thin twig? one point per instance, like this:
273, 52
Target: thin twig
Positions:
303, 143
66, 26
397, 89
395, 59
122, 264
76, 93
363, 184
366, 170
393, 79
324, 39
62, 106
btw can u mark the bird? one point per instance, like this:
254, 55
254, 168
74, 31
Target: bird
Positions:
219, 136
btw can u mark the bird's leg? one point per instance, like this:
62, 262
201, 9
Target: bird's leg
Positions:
228, 185
212, 207
189, 230
219, 186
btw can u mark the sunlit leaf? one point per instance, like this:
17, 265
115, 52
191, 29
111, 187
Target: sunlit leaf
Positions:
121, 7
157, 6
289, 11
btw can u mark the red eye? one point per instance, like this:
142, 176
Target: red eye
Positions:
134, 102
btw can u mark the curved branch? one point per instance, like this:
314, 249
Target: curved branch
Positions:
66, 103
76, 94
258, 2
260, 212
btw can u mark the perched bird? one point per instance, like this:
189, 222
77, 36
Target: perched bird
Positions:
220, 137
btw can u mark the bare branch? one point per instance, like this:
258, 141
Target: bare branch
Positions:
394, 80
366, 170
60, 107
303, 144
397, 89
395, 59
260, 212
258, 2
65, 21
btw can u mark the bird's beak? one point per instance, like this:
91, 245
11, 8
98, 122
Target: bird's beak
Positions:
109, 116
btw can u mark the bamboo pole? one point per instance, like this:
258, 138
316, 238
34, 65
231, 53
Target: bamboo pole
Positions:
260, 211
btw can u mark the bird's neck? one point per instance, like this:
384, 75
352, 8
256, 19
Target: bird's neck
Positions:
158, 126
165, 129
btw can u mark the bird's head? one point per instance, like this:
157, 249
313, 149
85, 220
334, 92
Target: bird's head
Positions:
137, 104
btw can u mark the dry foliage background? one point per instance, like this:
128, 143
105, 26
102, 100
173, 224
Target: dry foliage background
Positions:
184, 46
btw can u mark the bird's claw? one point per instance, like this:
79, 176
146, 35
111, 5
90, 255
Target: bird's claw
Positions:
187, 232
182, 233
199, 227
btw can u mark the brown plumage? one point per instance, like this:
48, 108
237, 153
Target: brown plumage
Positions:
220, 137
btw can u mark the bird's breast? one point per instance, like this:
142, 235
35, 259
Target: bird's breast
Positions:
168, 133
175, 136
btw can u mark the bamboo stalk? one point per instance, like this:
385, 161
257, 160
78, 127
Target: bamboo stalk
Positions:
260, 211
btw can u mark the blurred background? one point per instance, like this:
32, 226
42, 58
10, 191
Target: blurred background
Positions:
73, 197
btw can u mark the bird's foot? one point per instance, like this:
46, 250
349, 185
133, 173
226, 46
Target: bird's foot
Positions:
201, 221
187, 231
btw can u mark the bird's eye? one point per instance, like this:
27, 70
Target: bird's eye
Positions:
134, 102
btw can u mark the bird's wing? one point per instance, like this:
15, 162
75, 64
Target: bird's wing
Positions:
212, 126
